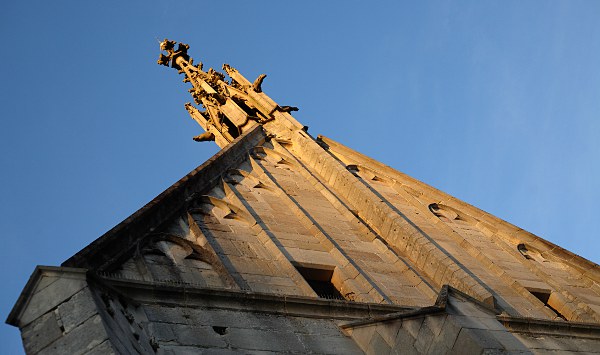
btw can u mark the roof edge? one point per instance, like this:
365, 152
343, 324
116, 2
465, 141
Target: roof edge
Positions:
586, 266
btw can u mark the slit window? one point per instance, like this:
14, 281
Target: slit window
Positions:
320, 281
544, 296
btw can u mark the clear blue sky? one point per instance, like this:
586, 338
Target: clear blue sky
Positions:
497, 103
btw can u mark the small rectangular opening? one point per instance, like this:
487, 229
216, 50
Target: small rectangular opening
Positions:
320, 281
544, 296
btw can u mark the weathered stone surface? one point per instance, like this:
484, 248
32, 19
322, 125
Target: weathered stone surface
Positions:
198, 335
378, 345
328, 344
254, 339
41, 332
473, 341
424, 339
404, 343
80, 340
163, 332
103, 348
77, 309
52, 295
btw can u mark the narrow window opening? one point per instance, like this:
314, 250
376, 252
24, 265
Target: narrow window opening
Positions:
544, 296
231, 128
320, 281
220, 330
252, 112
523, 250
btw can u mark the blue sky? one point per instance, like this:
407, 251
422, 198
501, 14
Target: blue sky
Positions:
494, 102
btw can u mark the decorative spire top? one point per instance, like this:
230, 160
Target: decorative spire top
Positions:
172, 54
231, 108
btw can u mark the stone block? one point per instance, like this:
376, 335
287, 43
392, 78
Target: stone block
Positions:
306, 238
310, 256
44, 282
362, 335
314, 326
508, 340
378, 346
270, 280
474, 341
77, 309
435, 323
275, 289
327, 344
465, 344
586, 345
228, 247
389, 330
448, 335
256, 339
104, 348
405, 342
437, 348
163, 332
472, 322
80, 340
413, 326
537, 342
272, 322
156, 313
467, 308
250, 266
41, 332
50, 296
424, 339
223, 318
213, 352
204, 336
170, 349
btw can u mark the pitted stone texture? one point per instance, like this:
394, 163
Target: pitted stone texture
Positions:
80, 340
103, 348
50, 294
446, 331
248, 332
77, 309
41, 332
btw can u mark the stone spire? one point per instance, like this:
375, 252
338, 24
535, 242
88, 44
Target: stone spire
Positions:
231, 108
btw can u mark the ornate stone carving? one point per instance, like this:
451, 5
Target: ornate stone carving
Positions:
232, 107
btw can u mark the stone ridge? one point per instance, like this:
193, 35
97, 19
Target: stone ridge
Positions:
354, 157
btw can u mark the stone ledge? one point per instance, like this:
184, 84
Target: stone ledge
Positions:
167, 294
439, 307
547, 327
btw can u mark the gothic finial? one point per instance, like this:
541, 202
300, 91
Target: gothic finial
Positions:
171, 56
231, 107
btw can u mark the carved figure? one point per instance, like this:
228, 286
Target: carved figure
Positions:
288, 108
257, 85
204, 137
